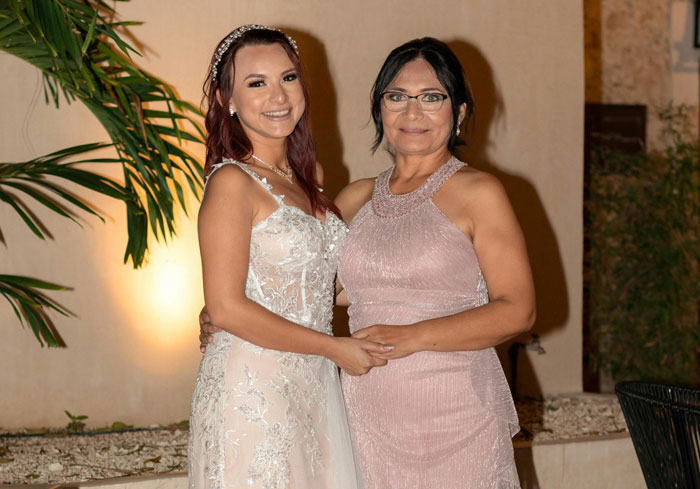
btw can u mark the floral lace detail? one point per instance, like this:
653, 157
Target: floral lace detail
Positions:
208, 398
271, 464
253, 408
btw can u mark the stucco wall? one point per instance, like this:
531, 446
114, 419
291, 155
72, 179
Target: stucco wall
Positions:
132, 351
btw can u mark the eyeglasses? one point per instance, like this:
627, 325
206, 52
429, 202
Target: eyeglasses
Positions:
427, 102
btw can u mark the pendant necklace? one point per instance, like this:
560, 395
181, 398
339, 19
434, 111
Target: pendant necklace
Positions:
289, 174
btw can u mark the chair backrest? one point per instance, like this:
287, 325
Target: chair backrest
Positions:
664, 423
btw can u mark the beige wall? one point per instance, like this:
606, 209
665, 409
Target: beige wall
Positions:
132, 351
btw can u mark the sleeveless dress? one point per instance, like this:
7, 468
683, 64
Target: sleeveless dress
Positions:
268, 419
432, 420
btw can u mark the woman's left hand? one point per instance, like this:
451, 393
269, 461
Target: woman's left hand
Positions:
401, 338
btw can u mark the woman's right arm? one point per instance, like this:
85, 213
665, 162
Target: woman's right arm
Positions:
225, 221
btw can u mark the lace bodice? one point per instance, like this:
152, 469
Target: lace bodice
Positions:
293, 260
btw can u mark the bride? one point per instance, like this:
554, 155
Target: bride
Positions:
267, 410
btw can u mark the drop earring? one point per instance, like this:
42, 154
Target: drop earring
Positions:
457, 131
231, 111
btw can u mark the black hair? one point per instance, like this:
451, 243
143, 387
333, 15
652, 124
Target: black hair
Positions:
449, 72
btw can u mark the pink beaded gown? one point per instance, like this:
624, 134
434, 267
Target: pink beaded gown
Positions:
432, 420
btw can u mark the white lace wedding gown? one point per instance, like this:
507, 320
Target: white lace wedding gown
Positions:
268, 419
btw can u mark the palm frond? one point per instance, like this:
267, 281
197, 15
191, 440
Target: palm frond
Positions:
31, 306
81, 56
29, 178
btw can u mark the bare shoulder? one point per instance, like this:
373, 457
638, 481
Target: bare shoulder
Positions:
471, 198
229, 183
469, 178
351, 199
471, 186
358, 189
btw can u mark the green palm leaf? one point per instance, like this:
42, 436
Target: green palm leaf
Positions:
29, 178
82, 57
31, 306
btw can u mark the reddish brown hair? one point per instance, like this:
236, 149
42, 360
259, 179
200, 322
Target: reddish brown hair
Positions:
225, 135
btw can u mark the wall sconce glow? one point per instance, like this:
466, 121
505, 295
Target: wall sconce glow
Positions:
171, 294
162, 300
168, 285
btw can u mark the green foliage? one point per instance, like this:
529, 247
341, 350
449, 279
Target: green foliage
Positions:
643, 228
120, 426
76, 424
30, 178
37, 179
81, 55
116, 426
77, 47
30, 305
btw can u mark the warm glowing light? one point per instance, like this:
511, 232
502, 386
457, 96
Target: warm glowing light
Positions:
161, 301
166, 295
169, 285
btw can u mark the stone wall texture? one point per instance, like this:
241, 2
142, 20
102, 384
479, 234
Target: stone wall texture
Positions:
631, 56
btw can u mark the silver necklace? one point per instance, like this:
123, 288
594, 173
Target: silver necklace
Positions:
289, 174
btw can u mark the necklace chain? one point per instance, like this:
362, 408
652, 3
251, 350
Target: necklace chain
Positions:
288, 174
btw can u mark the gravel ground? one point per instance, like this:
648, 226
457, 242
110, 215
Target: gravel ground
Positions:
567, 417
76, 458
60, 458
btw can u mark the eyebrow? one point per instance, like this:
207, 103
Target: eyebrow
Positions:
260, 75
422, 90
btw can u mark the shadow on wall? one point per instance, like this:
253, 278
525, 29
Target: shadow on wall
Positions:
324, 111
543, 249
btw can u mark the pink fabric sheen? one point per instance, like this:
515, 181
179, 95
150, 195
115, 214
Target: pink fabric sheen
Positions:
432, 420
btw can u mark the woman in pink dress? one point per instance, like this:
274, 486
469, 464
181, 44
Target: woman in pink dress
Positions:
434, 265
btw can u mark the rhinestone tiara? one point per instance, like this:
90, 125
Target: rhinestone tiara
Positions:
238, 33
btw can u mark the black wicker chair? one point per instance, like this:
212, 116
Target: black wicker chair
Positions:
664, 423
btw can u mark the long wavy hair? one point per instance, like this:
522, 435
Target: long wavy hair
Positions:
225, 135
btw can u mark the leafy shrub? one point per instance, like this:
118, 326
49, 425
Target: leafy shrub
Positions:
643, 233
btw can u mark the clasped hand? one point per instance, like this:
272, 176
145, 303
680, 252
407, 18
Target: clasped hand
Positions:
356, 355
401, 339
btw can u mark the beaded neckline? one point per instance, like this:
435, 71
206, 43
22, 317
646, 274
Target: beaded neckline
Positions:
387, 204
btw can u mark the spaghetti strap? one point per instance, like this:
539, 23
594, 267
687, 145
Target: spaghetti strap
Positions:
261, 181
